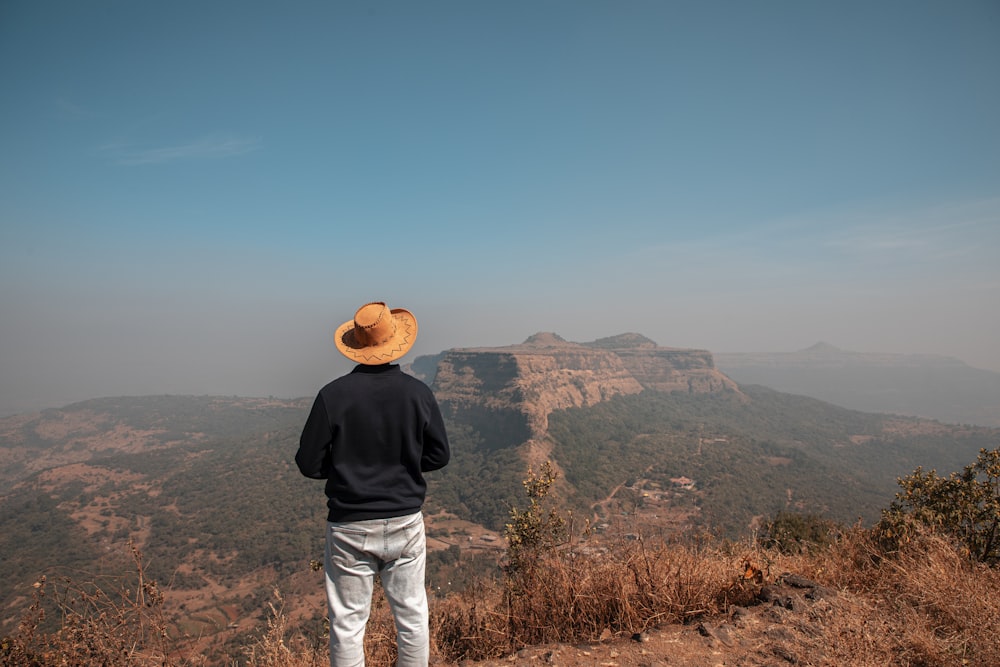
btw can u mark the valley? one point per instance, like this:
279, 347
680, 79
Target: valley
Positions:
648, 442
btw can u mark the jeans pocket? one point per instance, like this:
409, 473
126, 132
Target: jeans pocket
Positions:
414, 539
347, 545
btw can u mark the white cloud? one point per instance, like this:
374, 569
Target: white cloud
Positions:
200, 149
933, 233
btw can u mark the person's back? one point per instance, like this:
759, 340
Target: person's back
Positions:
388, 413
371, 435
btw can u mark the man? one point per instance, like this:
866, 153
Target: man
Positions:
371, 435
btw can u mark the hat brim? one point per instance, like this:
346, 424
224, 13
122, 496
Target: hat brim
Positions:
389, 351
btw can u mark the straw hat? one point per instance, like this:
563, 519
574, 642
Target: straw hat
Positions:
377, 335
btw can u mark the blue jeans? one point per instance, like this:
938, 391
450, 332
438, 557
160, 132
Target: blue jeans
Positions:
396, 550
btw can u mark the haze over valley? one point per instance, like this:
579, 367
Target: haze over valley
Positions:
646, 440
193, 196
920, 385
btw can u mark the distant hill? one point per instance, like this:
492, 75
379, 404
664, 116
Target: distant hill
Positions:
922, 385
656, 438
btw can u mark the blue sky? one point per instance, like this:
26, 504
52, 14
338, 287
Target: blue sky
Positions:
193, 195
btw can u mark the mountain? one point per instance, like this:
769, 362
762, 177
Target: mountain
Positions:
622, 417
655, 438
510, 391
922, 385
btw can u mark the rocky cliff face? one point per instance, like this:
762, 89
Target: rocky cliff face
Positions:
510, 391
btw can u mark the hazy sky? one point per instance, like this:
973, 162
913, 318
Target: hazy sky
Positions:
193, 195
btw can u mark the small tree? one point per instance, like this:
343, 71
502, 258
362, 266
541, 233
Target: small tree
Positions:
964, 505
532, 535
539, 528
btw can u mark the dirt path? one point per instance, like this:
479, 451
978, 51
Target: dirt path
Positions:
607, 499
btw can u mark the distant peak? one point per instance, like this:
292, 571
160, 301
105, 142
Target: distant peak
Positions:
545, 338
822, 347
624, 341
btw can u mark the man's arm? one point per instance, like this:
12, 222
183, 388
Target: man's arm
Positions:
436, 452
313, 457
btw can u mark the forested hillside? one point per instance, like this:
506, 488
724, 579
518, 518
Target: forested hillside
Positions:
208, 489
205, 486
750, 458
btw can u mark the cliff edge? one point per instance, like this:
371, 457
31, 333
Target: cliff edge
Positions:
510, 391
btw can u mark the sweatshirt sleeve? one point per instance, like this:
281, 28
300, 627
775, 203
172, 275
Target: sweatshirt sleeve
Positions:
314, 457
436, 452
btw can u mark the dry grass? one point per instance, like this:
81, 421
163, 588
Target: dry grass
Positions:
923, 605
581, 595
936, 606
277, 647
101, 622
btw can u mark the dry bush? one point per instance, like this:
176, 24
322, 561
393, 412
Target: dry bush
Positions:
103, 621
470, 624
275, 648
380, 633
946, 606
280, 646
574, 595
924, 604
551, 592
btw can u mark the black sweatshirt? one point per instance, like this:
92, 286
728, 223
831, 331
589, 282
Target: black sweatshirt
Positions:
371, 434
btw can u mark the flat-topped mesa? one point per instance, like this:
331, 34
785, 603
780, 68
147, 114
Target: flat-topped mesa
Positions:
667, 369
543, 374
510, 391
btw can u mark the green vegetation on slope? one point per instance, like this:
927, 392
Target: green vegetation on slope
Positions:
748, 458
213, 496
36, 532
478, 484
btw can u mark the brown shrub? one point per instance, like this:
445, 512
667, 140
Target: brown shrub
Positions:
576, 595
101, 622
277, 647
924, 604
